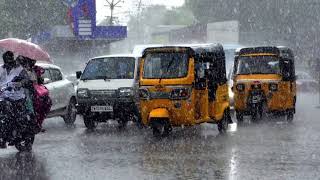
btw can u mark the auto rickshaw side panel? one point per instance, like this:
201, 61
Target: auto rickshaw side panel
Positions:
220, 104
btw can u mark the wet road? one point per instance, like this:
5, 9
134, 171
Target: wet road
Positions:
268, 150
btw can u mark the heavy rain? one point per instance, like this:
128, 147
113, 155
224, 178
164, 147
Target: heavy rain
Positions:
150, 89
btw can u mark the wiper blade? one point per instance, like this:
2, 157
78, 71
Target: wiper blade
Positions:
167, 68
103, 77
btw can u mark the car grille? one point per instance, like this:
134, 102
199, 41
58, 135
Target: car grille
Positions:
108, 93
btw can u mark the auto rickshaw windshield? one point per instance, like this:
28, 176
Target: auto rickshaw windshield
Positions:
165, 65
258, 65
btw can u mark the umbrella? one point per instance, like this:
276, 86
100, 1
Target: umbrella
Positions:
25, 48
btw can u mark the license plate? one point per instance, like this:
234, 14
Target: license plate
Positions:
101, 108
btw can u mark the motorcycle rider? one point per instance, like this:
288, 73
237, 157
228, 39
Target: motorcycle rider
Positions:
11, 72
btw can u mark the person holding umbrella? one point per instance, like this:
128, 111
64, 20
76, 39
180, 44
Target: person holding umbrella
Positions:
10, 72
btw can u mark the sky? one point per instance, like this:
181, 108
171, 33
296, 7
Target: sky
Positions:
129, 6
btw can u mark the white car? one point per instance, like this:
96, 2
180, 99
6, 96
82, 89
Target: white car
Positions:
108, 89
61, 92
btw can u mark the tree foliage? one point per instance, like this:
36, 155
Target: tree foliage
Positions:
153, 16
206, 11
22, 18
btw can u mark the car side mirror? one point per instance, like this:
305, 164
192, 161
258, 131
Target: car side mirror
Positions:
78, 74
46, 81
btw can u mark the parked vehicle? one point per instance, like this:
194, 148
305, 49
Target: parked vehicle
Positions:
184, 86
306, 83
264, 82
107, 89
61, 92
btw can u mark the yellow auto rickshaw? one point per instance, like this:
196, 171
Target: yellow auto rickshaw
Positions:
264, 82
183, 86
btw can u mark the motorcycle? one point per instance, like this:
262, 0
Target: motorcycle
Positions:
17, 126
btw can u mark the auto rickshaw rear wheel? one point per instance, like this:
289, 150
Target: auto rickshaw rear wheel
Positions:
239, 117
224, 122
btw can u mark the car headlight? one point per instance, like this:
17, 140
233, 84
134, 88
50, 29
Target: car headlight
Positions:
83, 93
240, 87
125, 92
273, 87
144, 94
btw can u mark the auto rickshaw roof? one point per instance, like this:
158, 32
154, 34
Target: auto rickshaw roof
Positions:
281, 51
192, 49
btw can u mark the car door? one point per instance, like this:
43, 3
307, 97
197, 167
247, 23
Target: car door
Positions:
59, 84
48, 79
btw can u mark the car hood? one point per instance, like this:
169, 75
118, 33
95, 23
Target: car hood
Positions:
112, 84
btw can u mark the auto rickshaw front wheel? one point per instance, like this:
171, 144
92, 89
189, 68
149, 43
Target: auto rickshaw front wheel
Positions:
224, 122
161, 127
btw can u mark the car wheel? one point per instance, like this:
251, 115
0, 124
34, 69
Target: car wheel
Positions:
71, 115
136, 118
89, 122
224, 122
122, 123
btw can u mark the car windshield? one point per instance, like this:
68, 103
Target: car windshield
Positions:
109, 68
165, 65
258, 65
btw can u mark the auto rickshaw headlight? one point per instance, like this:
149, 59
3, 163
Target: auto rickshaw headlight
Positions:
180, 93
273, 87
144, 94
240, 87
